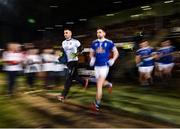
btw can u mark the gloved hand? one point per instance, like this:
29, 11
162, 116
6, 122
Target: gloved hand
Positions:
92, 61
74, 55
111, 62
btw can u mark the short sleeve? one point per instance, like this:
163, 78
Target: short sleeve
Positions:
93, 47
137, 53
63, 45
78, 44
153, 51
112, 46
173, 49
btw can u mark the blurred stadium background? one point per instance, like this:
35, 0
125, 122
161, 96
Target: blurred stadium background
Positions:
42, 22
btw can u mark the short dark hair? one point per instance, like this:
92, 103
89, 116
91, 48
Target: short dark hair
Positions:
101, 28
165, 39
67, 29
143, 40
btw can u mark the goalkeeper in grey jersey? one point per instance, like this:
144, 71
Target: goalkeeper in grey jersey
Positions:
71, 48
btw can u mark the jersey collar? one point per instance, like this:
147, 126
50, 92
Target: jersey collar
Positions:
102, 40
68, 39
165, 47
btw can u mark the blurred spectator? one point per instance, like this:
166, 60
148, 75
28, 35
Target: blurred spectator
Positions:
13, 59
60, 70
48, 67
32, 65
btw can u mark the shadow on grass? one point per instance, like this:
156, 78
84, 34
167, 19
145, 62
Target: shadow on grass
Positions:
56, 119
118, 111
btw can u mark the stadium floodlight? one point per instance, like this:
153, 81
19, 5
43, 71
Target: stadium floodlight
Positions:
117, 2
147, 6
54, 6
83, 19
169, 1
69, 23
136, 15
31, 20
41, 30
49, 28
147, 9
58, 25
110, 15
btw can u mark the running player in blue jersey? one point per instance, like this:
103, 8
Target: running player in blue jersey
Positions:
145, 62
99, 54
165, 59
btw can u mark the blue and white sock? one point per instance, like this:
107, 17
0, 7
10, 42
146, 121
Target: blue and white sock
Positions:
97, 103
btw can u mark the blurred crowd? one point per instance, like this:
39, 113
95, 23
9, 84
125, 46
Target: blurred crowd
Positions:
31, 63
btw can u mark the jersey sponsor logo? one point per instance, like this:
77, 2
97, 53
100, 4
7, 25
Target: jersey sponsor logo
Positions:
105, 44
100, 50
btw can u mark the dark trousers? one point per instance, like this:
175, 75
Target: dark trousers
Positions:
11, 80
60, 76
49, 80
31, 79
72, 75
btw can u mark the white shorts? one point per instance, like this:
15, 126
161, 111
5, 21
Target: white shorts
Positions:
101, 71
165, 66
147, 69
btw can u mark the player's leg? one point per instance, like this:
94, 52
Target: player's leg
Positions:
109, 85
148, 74
66, 89
161, 71
99, 92
101, 74
68, 83
141, 76
168, 71
11, 81
157, 73
29, 79
100, 83
149, 78
76, 76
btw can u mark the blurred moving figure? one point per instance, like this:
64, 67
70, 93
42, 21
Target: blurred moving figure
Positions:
32, 64
13, 60
99, 54
60, 70
145, 62
165, 60
48, 67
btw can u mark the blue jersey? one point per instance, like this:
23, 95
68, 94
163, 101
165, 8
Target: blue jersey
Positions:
146, 52
165, 57
102, 51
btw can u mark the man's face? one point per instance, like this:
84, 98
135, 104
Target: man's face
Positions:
165, 43
14, 47
144, 44
67, 34
100, 34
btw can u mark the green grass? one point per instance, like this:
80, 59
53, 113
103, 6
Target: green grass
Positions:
136, 100
155, 106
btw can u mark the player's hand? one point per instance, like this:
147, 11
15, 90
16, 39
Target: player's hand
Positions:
92, 61
111, 62
139, 64
74, 55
